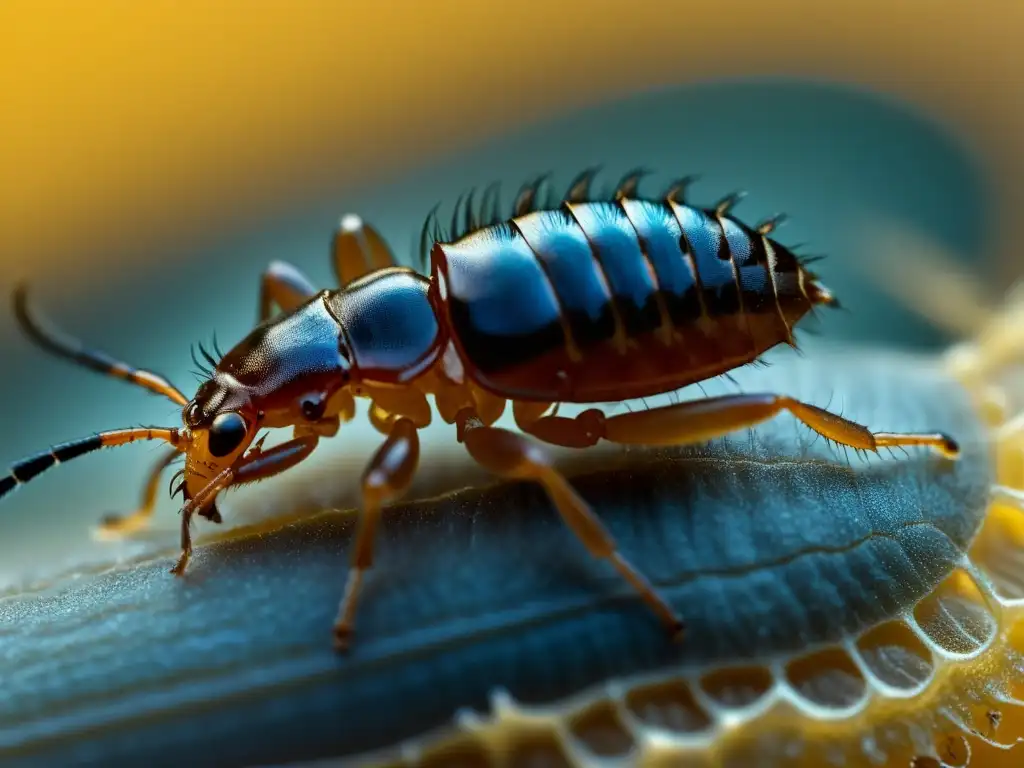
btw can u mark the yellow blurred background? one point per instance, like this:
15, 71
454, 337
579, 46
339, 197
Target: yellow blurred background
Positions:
126, 123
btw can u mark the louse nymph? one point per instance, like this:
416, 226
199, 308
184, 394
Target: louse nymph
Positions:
893, 687
589, 301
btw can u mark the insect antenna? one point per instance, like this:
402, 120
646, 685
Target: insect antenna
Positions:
33, 466
216, 346
69, 348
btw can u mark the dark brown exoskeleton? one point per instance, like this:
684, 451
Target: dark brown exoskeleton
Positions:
586, 301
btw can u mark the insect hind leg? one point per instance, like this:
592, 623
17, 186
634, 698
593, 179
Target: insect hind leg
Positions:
514, 456
697, 421
284, 285
115, 527
358, 250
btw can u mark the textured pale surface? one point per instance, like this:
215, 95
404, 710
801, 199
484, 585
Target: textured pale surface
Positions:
762, 552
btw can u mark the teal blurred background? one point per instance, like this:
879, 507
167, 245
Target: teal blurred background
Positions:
833, 158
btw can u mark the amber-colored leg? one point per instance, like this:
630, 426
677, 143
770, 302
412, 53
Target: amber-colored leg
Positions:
284, 285
257, 465
115, 527
387, 477
696, 421
358, 249
511, 455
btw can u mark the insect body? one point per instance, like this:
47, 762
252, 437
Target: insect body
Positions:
585, 301
673, 294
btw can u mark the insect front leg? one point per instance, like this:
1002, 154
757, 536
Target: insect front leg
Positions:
358, 250
114, 527
284, 285
511, 455
387, 477
697, 421
248, 469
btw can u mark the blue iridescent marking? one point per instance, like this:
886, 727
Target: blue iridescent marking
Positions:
567, 256
616, 247
388, 322
502, 305
291, 346
659, 234
703, 234
751, 263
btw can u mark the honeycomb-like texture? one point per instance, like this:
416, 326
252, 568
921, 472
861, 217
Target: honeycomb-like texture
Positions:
941, 684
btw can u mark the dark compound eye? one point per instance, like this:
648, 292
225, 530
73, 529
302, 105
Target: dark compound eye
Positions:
226, 433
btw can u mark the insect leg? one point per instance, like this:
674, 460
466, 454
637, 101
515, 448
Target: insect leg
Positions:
705, 419
118, 526
512, 455
69, 348
284, 285
387, 476
581, 431
248, 469
358, 249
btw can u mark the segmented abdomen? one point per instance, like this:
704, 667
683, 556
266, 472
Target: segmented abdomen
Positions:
612, 300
